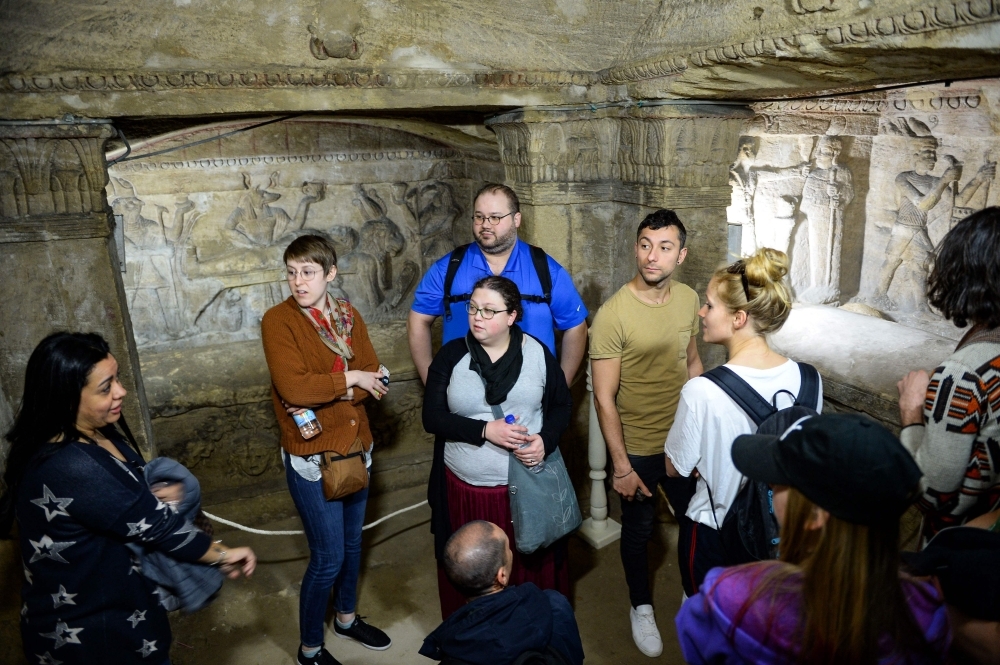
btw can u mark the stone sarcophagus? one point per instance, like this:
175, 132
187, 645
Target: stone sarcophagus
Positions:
206, 217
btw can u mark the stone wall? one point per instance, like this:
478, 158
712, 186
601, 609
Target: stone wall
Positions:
206, 221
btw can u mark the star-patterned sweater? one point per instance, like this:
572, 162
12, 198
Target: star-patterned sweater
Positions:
85, 600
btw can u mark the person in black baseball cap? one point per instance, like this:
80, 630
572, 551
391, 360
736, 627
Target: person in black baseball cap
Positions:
840, 483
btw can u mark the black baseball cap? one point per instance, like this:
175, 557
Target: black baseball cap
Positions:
846, 464
966, 561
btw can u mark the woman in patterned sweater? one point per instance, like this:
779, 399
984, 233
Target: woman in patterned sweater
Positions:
951, 419
79, 496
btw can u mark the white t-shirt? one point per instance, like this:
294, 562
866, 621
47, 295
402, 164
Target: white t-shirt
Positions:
707, 423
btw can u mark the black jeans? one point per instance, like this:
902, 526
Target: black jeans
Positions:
699, 550
638, 518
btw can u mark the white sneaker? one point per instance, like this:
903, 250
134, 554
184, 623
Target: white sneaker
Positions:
644, 631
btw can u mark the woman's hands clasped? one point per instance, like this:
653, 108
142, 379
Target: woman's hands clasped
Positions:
529, 449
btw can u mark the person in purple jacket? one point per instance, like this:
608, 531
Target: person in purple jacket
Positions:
841, 483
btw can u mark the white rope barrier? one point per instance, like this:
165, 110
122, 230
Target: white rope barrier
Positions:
262, 532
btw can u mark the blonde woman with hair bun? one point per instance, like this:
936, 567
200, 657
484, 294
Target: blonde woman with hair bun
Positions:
745, 302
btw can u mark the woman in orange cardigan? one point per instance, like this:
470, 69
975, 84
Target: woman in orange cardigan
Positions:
320, 358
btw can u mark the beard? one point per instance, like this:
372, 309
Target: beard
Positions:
498, 244
661, 277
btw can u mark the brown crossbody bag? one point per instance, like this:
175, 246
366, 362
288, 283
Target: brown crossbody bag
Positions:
344, 474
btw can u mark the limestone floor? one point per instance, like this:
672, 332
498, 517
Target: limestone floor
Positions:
254, 622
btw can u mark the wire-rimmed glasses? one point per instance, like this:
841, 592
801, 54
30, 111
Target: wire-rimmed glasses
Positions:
479, 220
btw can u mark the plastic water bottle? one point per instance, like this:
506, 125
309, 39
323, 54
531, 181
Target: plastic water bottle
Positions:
510, 420
308, 424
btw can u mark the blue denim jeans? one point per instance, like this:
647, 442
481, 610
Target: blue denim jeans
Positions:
333, 529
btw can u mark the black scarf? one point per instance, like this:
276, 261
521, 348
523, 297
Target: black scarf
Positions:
499, 376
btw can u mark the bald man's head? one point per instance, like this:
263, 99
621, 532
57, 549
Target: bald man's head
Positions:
473, 557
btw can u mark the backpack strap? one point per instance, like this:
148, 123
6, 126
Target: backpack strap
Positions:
539, 259
740, 391
809, 388
454, 262
541, 263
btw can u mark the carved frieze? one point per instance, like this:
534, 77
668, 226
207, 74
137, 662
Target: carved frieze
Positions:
928, 18
205, 227
289, 79
627, 145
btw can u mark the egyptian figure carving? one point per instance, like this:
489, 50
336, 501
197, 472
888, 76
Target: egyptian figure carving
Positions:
153, 277
256, 223
827, 191
743, 180
381, 239
776, 196
917, 192
435, 212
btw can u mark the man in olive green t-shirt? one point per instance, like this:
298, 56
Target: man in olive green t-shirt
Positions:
642, 351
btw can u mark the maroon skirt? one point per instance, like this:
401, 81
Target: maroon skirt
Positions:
547, 567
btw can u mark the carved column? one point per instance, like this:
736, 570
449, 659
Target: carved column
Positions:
586, 177
58, 260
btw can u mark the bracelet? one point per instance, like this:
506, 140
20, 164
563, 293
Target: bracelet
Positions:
625, 476
218, 562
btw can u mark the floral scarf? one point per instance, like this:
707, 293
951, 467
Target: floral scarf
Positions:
334, 331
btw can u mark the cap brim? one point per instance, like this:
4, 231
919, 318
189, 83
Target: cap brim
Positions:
755, 456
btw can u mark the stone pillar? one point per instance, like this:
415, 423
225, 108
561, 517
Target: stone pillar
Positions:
58, 260
587, 176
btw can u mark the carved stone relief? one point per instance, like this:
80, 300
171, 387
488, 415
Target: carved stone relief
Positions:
931, 164
205, 236
793, 198
929, 181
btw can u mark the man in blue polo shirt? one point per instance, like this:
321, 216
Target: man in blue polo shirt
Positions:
497, 251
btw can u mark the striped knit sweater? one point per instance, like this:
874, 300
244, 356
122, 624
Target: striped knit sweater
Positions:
958, 447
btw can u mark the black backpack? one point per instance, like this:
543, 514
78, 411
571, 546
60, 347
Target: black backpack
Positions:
749, 531
538, 259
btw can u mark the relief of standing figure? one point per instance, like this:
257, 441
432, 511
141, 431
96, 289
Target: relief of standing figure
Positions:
827, 191
917, 192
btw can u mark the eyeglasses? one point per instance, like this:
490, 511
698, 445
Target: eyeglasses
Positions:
492, 219
307, 274
740, 268
485, 312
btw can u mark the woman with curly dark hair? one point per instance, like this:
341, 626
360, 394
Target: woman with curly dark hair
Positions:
950, 416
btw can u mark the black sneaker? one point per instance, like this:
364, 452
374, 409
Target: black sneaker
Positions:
368, 635
322, 657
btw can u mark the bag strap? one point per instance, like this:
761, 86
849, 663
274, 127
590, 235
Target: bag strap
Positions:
540, 260
128, 437
809, 388
454, 262
740, 391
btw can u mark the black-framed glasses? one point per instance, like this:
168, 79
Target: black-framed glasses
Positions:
485, 312
479, 220
740, 268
